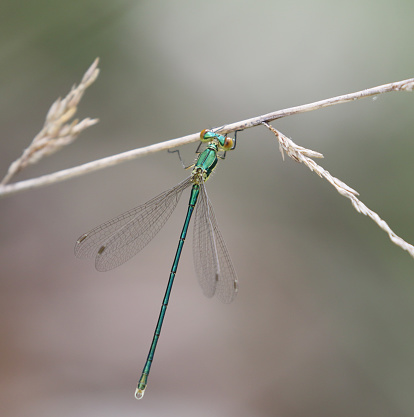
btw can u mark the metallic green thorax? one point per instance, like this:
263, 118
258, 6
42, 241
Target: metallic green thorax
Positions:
206, 162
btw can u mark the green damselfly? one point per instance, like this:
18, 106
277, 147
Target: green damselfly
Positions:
114, 242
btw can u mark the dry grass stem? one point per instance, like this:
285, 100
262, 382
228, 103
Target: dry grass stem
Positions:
404, 85
304, 156
58, 131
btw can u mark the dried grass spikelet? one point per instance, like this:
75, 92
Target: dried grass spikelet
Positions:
58, 131
302, 155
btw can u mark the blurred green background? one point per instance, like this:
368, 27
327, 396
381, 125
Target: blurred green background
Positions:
323, 323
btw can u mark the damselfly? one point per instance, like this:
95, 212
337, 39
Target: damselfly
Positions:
114, 242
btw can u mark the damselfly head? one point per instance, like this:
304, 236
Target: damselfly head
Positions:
223, 142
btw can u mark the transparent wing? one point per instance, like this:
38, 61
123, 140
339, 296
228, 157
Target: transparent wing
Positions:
204, 248
119, 239
212, 261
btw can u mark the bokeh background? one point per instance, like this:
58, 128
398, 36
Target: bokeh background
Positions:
323, 323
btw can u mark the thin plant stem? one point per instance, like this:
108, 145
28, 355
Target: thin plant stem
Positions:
7, 189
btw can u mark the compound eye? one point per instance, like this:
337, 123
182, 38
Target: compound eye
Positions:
228, 143
205, 135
